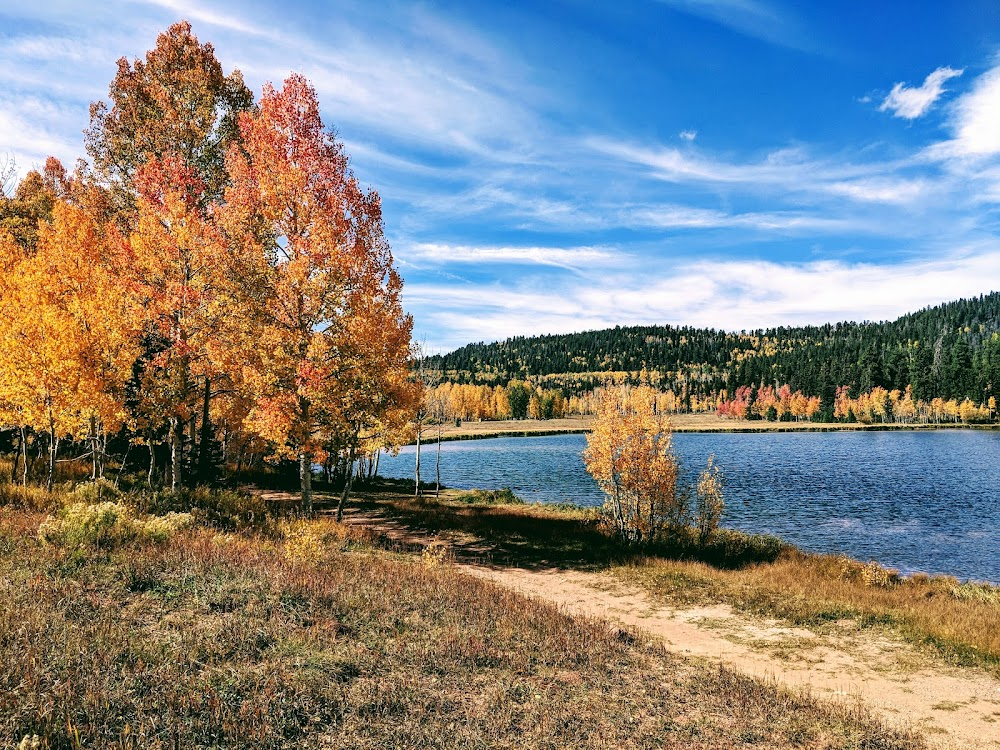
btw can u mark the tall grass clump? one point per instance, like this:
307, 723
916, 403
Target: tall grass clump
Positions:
108, 525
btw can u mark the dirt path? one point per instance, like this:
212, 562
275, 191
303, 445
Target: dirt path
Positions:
954, 707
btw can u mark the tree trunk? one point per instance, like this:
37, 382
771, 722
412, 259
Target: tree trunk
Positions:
416, 491
305, 482
437, 464
17, 456
53, 448
378, 455
205, 443
347, 483
152, 460
24, 456
176, 453
94, 447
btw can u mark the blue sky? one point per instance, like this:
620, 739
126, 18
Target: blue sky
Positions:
558, 166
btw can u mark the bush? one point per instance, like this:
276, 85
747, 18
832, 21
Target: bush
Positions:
30, 497
505, 496
224, 510
630, 455
100, 490
107, 526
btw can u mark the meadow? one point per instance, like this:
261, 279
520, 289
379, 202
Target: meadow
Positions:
221, 626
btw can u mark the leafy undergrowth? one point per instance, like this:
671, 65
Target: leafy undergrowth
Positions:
959, 621
313, 637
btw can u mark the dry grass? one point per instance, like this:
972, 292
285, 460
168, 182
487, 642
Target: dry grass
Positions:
959, 621
312, 637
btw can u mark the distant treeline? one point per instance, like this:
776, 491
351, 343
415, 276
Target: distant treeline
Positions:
949, 352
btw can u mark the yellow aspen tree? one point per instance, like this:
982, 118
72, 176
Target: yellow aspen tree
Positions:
630, 455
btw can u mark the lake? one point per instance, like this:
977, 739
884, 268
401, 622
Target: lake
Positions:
918, 501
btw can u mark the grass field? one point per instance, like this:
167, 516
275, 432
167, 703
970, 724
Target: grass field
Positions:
313, 634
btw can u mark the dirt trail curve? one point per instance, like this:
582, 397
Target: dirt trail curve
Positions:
954, 707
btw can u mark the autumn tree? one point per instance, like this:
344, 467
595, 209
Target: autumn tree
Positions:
66, 344
629, 453
178, 257
318, 292
176, 103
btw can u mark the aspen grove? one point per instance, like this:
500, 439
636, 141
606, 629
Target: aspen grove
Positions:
211, 289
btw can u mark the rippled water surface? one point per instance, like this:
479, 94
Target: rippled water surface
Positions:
926, 501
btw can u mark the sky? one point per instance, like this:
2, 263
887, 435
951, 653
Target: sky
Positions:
566, 165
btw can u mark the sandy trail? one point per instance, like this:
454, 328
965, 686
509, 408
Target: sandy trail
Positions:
954, 707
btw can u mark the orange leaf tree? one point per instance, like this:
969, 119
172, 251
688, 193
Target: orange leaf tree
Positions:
325, 342
66, 345
175, 103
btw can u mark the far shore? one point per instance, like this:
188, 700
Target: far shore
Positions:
680, 423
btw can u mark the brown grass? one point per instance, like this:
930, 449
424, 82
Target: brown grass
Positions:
312, 637
960, 621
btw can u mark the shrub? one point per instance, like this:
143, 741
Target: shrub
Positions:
876, 576
224, 510
629, 454
108, 526
30, 497
97, 491
303, 542
710, 505
505, 496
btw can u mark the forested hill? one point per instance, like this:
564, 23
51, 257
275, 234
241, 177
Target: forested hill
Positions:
951, 350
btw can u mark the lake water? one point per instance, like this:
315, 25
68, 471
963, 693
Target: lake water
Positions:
918, 501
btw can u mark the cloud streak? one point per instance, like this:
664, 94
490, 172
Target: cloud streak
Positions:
722, 294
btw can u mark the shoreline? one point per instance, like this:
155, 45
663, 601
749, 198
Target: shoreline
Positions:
682, 423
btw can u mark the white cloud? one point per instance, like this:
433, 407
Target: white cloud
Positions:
791, 167
572, 258
726, 294
976, 117
882, 190
910, 103
752, 18
688, 135
683, 217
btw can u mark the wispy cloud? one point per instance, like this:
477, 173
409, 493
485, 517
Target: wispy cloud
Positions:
752, 18
976, 117
740, 295
571, 258
913, 102
882, 189
688, 135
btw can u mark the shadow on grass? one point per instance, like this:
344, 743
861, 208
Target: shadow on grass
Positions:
537, 536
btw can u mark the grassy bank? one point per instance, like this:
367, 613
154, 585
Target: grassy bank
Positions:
314, 635
758, 575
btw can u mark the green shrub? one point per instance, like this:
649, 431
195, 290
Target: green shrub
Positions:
505, 496
107, 525
100, 490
